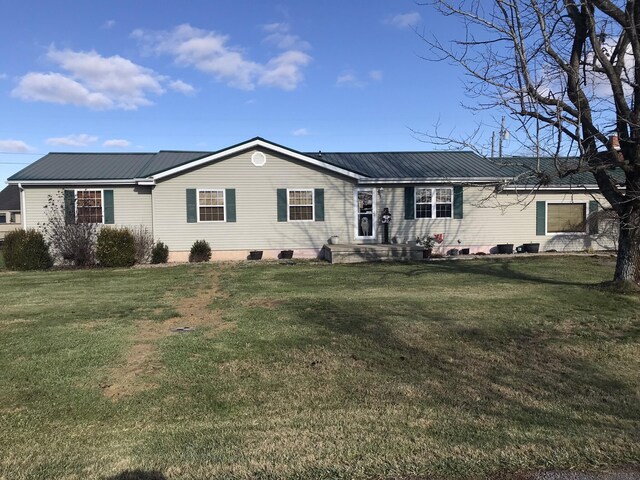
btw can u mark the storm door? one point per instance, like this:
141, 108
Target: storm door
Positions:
365, 213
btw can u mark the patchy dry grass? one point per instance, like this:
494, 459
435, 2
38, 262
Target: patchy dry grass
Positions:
448, 369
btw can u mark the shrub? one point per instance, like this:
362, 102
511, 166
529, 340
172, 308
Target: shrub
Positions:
143, 241
26, 250
75, 242
159, 253
200, 251
115, 247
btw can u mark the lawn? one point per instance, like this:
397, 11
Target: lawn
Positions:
308, 371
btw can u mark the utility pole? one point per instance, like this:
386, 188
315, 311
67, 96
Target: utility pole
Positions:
504, 134
493, 144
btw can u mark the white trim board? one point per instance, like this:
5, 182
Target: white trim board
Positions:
255, 144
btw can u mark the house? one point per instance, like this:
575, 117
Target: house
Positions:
9, 210
261, 195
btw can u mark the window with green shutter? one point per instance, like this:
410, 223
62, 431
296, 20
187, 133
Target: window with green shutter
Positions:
192, 205
409, 203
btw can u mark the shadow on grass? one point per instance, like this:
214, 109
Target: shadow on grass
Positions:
138, 475
528, 374
497, 268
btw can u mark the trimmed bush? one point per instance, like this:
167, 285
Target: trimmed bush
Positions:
200, 251
26, 250
116, 247
160, 253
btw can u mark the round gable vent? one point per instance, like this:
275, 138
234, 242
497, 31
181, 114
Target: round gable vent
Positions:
258, 159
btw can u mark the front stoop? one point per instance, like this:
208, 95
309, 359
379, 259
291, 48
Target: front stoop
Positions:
345, 253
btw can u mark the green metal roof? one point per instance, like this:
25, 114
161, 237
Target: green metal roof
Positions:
10, 198
438, 164
386, 166
524, 170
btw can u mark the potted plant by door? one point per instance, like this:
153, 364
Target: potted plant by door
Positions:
255, 255
427, 243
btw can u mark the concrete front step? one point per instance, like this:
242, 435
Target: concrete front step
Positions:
344, 253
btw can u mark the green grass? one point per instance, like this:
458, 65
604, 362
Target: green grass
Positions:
448, 369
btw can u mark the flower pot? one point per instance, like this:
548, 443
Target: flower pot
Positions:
255, 254
505, 248
454, 252
286, 255
531, 247
426, 253
464, 251
334, 239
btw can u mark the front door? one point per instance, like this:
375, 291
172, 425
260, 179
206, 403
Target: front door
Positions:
365, 218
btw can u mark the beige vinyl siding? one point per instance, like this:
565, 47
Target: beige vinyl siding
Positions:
131, 205
490, 220
256, 225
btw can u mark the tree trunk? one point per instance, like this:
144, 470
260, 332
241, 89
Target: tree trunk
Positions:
628, 262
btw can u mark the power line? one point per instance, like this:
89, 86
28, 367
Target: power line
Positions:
21, 153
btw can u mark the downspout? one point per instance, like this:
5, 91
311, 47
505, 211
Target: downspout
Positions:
23, 209
153, 213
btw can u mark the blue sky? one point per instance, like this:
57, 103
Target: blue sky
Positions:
203, 75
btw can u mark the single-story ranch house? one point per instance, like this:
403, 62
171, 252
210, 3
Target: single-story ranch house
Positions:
259, 195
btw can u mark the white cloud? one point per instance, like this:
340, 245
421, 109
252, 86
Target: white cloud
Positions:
74, 140
94, 81
182, 87
349, 80
405, 20
375, 75
123, 81
56, 88
15, 146
300, 132
108, 24
117, 142
284, 71
210, 52
279, 35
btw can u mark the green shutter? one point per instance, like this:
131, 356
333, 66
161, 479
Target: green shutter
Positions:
458, 201
282, 204
69, 207
230, 204
192, 205
409, 203
108, 207
318, 200
593, 217
541, 218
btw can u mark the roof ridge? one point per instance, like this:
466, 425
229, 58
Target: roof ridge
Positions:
391, 151
101, 153
186, 151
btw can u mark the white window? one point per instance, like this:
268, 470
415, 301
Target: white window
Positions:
300, 205
89, 206
434, 203
211, 206
566, 217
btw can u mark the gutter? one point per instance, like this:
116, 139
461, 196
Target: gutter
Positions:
120, 181
423, 180
514, 188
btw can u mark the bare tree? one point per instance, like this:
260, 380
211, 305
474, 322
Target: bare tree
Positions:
566, 71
